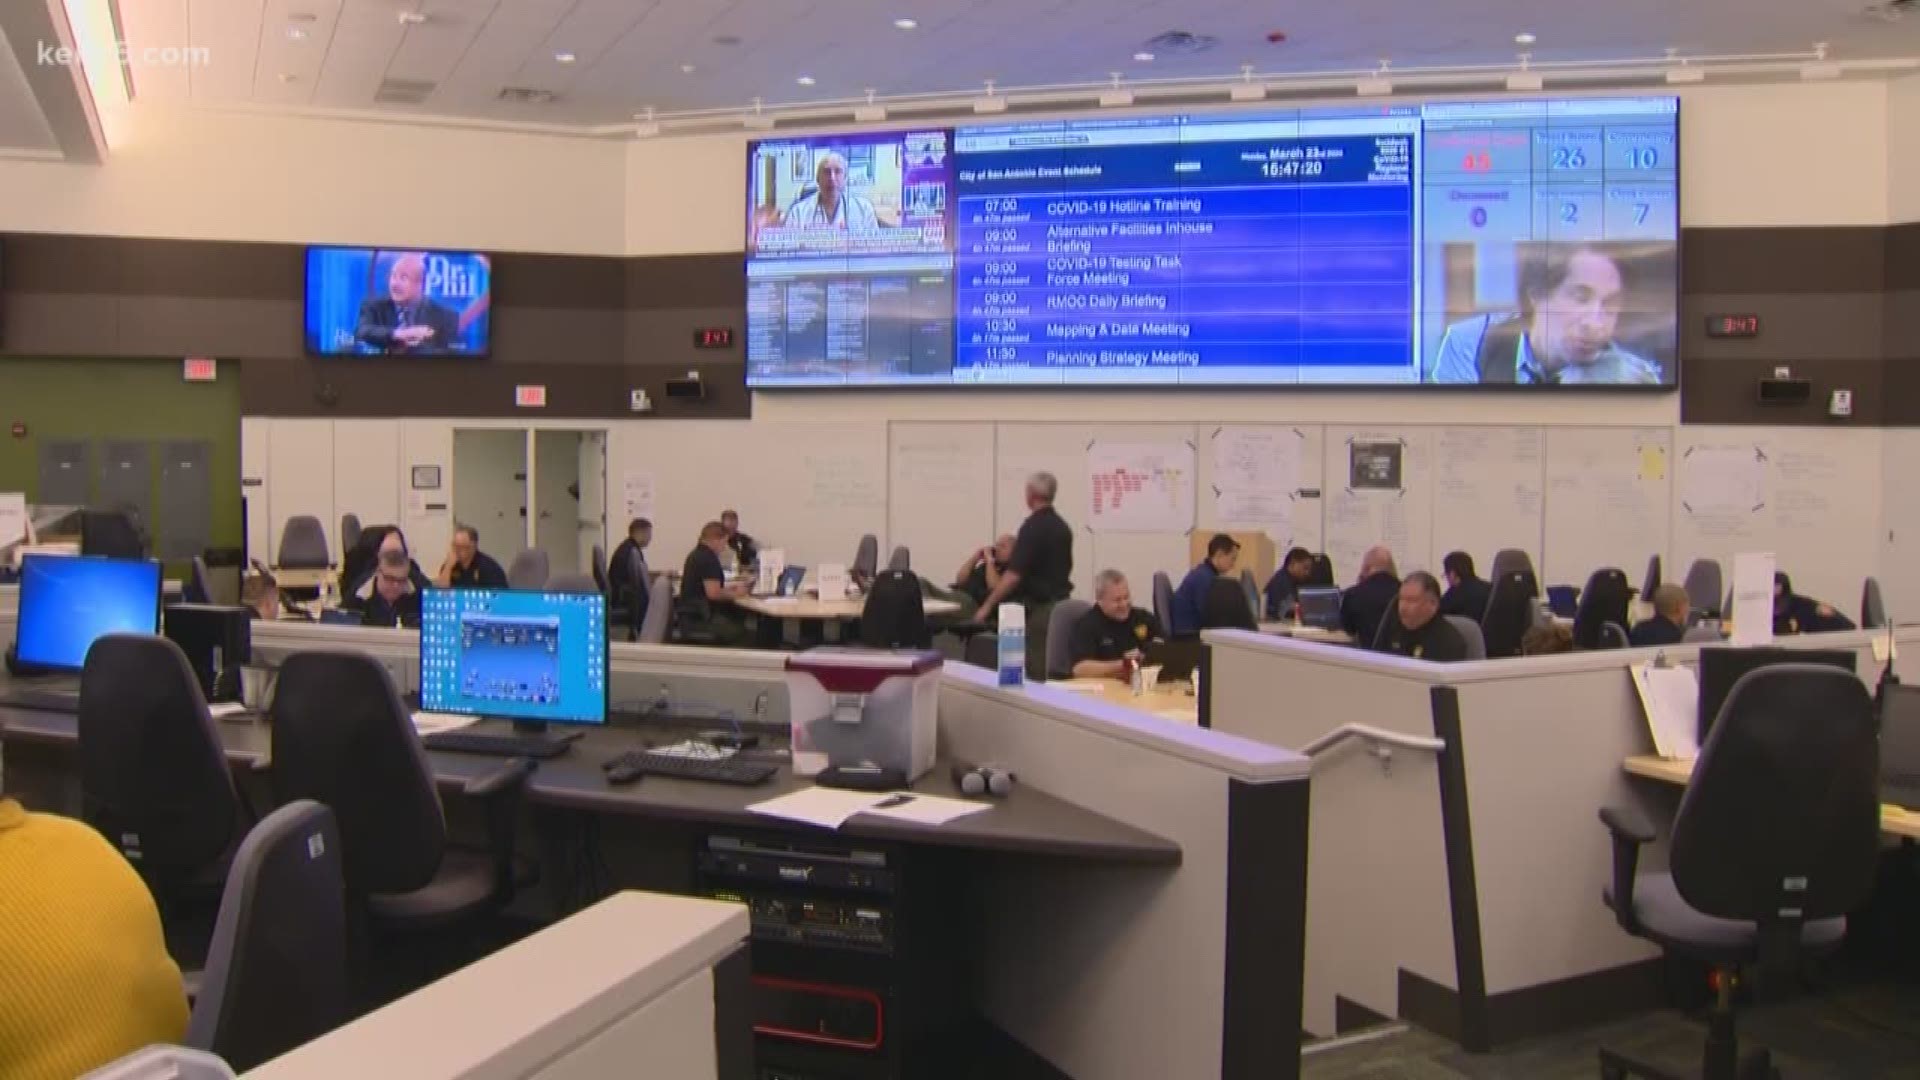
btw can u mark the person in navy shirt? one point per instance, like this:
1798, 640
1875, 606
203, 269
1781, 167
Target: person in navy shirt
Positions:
1283, 589
1467, 594
1796, 614
1669, 623
1190, 599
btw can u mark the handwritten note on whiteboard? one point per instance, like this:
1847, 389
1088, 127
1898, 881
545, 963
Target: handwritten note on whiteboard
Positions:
1724, 480
1256, 474
1140, 487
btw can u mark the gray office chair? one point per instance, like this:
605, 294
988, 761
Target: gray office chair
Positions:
573, 583
1705, 635
1873, 609
1163, 598
303, 544
1060, 636
1471, 633
1254, 602
1705, 587
1613, 636
982, 651
199, 588
1652, 580
349, 530
600, 570
276, 975
866, 558
1510, 612
901, 559
1777, 840
653, 627
1507, 560
529, 570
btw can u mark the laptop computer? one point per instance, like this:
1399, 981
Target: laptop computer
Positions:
1900, 746
790, 579
1320, 607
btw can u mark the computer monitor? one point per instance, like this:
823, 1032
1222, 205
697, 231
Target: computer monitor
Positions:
790, 581
533, 657
1320, 606
1720, 668
68, 601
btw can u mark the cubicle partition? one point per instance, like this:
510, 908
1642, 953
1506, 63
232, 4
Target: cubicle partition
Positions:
1460, 888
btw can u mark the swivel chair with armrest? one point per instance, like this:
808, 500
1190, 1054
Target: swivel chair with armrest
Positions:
1321, 576
1652, 580
1507, 560
1470, 633
1227, 606
866, 559
894, 616
1603, 602
1873, 608
1509, 613
901, 559
1777, 840
1704, 588
530, 569
659, 614
1163, 597
1060, 636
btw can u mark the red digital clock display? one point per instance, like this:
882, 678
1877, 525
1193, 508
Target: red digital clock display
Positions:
1733, 326
713, 337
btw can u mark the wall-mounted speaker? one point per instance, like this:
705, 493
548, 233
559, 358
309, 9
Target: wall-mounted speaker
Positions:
1785, 391
688, 389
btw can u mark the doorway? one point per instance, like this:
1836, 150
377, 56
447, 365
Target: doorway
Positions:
490, 488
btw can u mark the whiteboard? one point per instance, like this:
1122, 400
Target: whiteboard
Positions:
1489, 488
1294, 516
1816, 506
1608, 502
299, 481
940, 491
1358, 517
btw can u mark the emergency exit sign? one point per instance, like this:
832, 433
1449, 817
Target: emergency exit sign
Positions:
201, 369
530, 397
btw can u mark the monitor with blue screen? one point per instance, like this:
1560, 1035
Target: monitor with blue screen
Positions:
528, 656
69, 601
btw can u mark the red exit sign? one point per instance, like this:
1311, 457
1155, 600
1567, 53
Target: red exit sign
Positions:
201, 369
530, 397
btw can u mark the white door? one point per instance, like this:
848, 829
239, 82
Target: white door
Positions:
593, 497
490, 489
557, 498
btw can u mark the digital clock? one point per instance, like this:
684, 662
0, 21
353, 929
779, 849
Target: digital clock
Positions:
1733, 326
713, 337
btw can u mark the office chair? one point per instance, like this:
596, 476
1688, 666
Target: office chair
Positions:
866, 559
303, 544
1226, 607
901, 559
358, 561
1060, 637
1604, 601
893, 616
982, 651
529, 570
276, 977
154, 779
1163, 598
600, 581
659, 613
1254, 600
349, 530
199, 588
1509, 613
1873, 609
1471, 633
1777, 839
1322, 574
573, 583
692, 616
1612, 636
1704, 635
1507, 560
112, 533
1652, 580
1704, 588
342, 737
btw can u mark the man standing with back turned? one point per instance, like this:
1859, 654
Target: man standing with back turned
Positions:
1040, 573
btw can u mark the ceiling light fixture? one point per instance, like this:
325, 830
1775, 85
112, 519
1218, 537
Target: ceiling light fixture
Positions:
870, 113
289, 77
905, 24
805, 80
1143, 57
1524, 37
296, 33
564, 57
1819, 68
412, 18
1246, 89
1115, 96
686, 69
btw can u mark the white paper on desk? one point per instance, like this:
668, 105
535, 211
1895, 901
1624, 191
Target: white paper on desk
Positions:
1753, 598
13, 517
433, 723
833, 581
1671, 698
925, 809
220, 710
826, 807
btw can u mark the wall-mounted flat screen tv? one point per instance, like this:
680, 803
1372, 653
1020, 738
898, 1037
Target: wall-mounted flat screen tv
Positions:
398, 302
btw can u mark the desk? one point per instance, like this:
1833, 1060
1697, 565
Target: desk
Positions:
794, 610
1176, 702
1302, 632
1894, 820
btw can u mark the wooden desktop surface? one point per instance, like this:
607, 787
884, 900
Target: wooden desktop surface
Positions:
1176, 702
1894, 820
809, 607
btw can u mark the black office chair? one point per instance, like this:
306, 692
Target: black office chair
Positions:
1652, 580
1509, 612
1322, 574
349, 530
636, 590
199, 587
1777, 839
1605, 600
893, 616
154, 780
358, 561
693, 621
1163, 597
983, 651
111, 533
901, 559
276, 976
343, 737
1614, 636
1226, 607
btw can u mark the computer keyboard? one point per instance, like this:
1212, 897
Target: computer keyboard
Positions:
497, 743
45, 699
719, 770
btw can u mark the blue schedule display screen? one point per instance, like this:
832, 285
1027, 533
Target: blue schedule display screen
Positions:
374, 302
1526, 242
67, 602
531, 656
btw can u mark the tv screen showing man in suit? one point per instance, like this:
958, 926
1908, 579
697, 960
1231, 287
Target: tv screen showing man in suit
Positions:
399, 303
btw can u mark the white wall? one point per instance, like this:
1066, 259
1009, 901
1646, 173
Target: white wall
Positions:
1903, 149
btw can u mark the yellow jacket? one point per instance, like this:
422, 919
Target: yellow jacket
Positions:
86, 976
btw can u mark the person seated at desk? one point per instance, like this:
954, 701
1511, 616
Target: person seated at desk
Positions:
391, 599
1796, 614
88, 979
1364, 606
1669, 623
1283, 588
260, 594
466, 566
1467, 594
629, 584
746, 551
1191, 597
1112, 632
706, 600
387, 538
977, 577
1421, 632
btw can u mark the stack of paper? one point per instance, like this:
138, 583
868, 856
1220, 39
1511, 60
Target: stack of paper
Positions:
1671, 698
831, 807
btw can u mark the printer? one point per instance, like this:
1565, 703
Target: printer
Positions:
856, 708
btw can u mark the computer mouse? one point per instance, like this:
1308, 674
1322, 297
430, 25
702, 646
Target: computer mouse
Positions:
624, 774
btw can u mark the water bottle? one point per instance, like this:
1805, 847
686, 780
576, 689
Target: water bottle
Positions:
1013, 644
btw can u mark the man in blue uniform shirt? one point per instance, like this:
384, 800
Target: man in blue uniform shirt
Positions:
1190, 599
1796, 614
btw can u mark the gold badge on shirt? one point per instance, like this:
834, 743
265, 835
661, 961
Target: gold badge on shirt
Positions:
1140, 633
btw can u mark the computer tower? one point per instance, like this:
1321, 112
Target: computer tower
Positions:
217, 639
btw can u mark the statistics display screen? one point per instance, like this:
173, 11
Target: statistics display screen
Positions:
1510, 242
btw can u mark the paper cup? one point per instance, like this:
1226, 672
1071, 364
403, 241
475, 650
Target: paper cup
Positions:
1149, 677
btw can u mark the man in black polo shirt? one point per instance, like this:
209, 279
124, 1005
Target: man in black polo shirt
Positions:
466, 566
1112, 632
705, 606
1365, 606
1040, 573
1467, 594
1421, 632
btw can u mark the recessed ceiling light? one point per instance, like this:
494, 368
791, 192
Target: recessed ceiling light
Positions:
288, 77
805, 80
1524, 38
728, 40
564, 57
1143, 57
297, 33
411, 18
905, 24
686, 69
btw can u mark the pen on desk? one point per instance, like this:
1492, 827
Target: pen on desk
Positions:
897, 800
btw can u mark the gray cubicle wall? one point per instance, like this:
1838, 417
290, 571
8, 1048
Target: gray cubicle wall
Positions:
1502, 936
